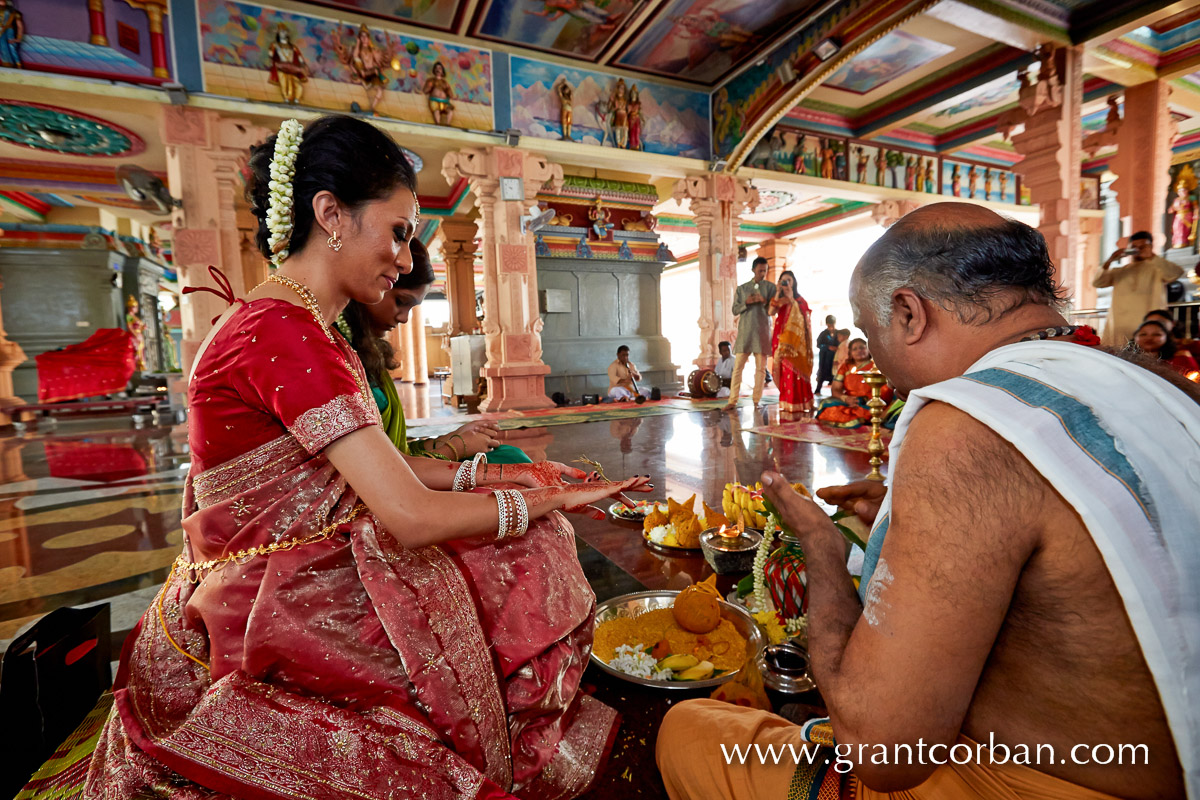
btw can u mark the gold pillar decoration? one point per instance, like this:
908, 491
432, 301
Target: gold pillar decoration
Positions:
876, 380
96, 14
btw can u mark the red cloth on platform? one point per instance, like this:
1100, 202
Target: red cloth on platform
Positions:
101, 365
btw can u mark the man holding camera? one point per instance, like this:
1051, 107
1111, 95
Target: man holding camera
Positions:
1137, 288
754, 331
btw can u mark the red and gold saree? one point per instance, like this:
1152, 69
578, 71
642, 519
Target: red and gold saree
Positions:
340, 664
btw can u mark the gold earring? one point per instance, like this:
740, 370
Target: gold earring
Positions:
334, 242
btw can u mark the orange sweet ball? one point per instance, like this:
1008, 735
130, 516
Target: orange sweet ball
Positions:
696, 610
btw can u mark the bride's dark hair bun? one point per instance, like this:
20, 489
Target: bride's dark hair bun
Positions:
351, 158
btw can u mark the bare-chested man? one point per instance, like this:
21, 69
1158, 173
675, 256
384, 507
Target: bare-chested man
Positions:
1031, 577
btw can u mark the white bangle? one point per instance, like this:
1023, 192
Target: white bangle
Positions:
513, 513
480, 458
464, 479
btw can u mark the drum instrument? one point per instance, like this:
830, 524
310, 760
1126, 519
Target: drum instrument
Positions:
703, 383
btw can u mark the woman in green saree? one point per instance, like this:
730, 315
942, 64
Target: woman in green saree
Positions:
365, 326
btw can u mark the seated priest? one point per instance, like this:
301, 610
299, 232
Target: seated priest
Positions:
1026, 624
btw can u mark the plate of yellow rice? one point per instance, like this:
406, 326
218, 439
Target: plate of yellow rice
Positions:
627, 628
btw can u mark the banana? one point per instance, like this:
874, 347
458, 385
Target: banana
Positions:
697, 673
678, 662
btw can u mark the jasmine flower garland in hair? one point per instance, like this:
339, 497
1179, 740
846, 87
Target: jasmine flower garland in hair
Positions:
280, 216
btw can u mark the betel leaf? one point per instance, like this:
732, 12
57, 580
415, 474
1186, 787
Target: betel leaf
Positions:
850, 536
746, 585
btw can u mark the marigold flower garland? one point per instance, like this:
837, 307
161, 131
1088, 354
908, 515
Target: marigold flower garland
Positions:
280, 216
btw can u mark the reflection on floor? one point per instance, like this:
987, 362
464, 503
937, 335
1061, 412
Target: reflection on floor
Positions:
91, 513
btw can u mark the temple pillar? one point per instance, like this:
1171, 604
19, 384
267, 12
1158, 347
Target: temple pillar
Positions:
458, 251
1051, 146
716, 202
155, 11
505, 183
775, 251
205, 153
1091, 229
11, 356
408, 349
96, 23
1143, 159
416, 321
396, 340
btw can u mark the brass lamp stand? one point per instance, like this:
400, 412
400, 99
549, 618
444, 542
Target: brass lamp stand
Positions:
876, 380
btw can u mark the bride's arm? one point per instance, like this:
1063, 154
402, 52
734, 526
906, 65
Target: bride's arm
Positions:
417, 515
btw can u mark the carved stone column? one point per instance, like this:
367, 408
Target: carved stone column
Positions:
204, 157
1143, 159
420, 358
716, 202
1091, 228
11, 356
775, 251
1051, 145
458, 250
514, 369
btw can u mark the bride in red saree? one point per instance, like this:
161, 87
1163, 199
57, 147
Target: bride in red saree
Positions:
339, 625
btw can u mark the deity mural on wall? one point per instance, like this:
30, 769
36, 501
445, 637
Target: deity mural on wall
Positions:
566, 101
12, 33
358, 68
605, 110
439, 95
368, 64
289, 70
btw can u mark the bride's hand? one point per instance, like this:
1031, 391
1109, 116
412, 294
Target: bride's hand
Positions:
541, 473
577, 498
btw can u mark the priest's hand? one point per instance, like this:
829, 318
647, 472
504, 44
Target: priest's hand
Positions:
861, 498
800, 514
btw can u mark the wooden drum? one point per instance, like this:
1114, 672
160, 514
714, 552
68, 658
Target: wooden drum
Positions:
703, 383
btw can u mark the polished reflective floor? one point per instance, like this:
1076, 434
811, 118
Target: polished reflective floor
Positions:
90, 512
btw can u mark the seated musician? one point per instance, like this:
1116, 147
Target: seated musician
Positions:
623, 376
724, 368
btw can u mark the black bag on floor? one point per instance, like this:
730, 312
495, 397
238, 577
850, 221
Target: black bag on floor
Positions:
52, 676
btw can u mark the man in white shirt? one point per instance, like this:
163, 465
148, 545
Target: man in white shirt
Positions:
724, 368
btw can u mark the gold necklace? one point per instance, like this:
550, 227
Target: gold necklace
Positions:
314, 308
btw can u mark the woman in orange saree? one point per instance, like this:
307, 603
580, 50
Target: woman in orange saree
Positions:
791, 347
848, 406
339, 624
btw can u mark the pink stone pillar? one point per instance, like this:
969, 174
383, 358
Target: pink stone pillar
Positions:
1050, 147
204, 156
716, 202
11, 356
416, 321
514, 370
1143, 159
408, 361
458, 250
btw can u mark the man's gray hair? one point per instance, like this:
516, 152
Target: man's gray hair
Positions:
979, 273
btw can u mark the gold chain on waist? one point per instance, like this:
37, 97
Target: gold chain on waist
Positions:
241, 556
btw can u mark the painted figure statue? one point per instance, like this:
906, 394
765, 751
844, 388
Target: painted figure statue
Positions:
137, 329
12, 33
860, 165
922, 175
619, 107
170, 352
955, 181
880, 166
929, 175
910, 174
635, 118
368, 63
827, 160
566, 110
972, 181
1003, 186
1183, 225
439, 94
598, 214
987, 183
289, 70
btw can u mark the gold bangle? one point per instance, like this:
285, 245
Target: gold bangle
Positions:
450, 443
464, 444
